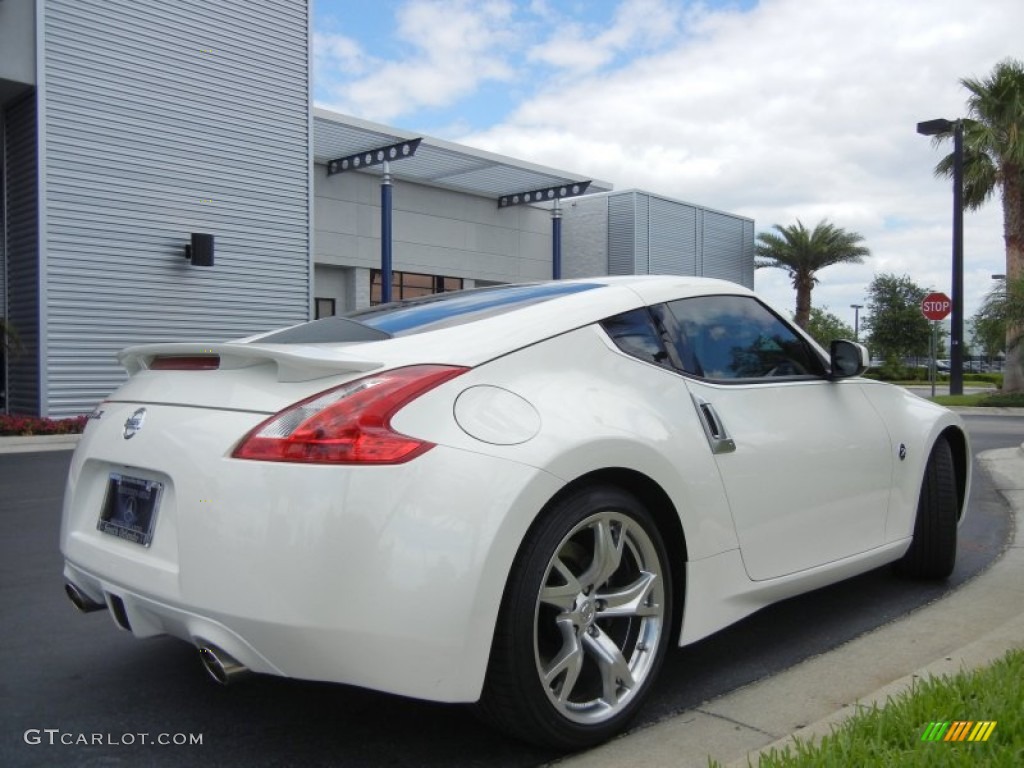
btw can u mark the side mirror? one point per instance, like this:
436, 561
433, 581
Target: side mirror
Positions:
848, 359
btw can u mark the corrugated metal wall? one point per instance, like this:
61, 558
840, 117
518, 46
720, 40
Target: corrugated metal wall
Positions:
673, 238
725, 251
21, 234
642, 244
648, 234
163, 119
748, 253
585, 237
622, 234
3, 222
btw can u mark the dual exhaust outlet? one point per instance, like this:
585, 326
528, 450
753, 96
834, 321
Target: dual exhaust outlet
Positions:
219, 665
224, 669
82, 601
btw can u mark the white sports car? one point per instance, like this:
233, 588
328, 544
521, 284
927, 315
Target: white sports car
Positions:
519, 495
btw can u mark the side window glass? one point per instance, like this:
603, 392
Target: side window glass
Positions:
737, 337
634, 333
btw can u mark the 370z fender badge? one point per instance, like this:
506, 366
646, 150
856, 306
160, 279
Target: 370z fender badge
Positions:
134, 423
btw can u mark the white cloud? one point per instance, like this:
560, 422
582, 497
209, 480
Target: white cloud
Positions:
337, 54
452, 47
793, 109
574, 47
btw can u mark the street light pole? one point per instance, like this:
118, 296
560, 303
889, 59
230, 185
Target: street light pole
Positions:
856, 320
956, 336
956, 341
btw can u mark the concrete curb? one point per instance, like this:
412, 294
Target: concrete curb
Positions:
970, 627
32, 443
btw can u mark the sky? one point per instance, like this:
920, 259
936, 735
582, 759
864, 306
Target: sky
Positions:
779, 110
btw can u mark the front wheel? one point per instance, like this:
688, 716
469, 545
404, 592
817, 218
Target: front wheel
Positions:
932, 552
584, 623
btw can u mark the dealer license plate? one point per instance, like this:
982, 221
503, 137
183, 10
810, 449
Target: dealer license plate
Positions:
129, 508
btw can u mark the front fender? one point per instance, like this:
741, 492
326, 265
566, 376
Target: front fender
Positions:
915, 424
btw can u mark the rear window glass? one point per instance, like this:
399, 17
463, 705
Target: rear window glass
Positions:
425, 314
634, 333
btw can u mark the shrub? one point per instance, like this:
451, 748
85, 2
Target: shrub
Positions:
892, 370
34, 425
990, 378
1004, 400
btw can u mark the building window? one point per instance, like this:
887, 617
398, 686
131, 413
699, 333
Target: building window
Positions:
411, 285
324, 308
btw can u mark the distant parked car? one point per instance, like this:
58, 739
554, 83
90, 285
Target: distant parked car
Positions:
517, 495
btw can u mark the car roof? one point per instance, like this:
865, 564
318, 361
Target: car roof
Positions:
494, 331
306, 350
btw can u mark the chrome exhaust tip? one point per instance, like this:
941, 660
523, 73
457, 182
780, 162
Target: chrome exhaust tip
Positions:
220, 666
82, 601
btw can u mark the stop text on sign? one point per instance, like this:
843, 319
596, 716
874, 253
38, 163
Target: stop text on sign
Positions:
936, 306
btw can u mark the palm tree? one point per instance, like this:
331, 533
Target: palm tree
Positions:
804, 253
994, 157
1002, 311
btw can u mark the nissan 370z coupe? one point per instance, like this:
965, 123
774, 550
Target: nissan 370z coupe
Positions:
518, 495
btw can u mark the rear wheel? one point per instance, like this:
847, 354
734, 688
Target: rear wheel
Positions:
584, 623
932, 554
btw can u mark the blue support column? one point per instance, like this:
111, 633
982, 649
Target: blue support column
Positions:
556, 241
385, 235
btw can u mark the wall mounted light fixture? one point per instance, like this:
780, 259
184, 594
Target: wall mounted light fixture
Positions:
200, 251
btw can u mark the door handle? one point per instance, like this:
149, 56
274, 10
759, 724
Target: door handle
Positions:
714, 429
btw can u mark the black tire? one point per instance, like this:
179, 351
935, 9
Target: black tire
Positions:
932, 553
584, 623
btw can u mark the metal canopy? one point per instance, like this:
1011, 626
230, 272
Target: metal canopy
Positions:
381, 156
436, 162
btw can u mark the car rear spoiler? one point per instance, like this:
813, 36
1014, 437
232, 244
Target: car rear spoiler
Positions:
294, 362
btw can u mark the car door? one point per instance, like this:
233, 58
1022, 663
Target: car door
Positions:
806, 461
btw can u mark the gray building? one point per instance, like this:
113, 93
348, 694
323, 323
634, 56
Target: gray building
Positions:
632, 232
447, 224
127, 128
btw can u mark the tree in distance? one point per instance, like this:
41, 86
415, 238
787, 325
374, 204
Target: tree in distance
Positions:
826, 327
994, 157
894, 319
803, 253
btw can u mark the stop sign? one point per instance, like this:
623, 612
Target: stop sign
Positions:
936, 306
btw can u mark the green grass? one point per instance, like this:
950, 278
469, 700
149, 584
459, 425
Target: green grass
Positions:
891, 736
983, 400
920, 376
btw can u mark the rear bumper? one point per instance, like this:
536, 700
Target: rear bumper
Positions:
384, 577
145, 617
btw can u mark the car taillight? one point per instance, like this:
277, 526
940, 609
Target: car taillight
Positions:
350, 424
